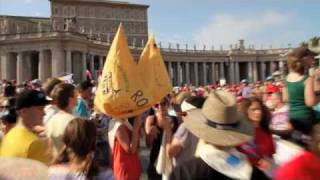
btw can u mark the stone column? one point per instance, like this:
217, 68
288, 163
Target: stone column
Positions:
250, 72
19, 68
281, 69
213, 72
43, 66
3, 62
237, 72
187, 73
58, 62
84, 65
270, 68
101, 63
27, 66
231, 72
23, 67
8, 66
205, 79
217, 72
255, 71
170, 70
179, 70
92, 70
12, 66
196, 74
262, 70
221, 70
69, 61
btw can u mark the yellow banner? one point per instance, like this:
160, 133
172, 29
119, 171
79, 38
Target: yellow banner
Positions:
126, 88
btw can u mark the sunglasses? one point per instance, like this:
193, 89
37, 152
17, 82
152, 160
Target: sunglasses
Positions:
183, 114
161, 104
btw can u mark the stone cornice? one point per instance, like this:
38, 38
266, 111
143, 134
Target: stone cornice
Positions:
25, 17
101, 2
79, 42
26, 37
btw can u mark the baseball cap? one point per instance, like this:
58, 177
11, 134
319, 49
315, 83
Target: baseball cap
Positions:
36, 82
245, 81
29, 98
269, 78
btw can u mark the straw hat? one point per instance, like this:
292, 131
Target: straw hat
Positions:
218, 122
182, 96
12, 168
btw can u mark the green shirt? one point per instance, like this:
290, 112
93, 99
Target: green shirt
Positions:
297, 107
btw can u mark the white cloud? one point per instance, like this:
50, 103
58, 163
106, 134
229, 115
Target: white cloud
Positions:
227, 29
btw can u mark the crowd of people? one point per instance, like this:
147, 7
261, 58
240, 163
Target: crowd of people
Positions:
219, 131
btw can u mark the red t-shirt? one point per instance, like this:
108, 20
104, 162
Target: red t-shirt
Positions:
262, 146
306, 167
272, 88
126, 166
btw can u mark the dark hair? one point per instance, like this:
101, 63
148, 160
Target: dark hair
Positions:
61, 94
79, 139
9, 90
266, 115
85, 85
196, 101
49, 85
9, 113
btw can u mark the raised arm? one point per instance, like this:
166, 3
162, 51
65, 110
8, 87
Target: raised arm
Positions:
130, 145
151, 130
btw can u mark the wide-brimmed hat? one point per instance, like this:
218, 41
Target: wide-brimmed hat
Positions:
218, 122
182, 96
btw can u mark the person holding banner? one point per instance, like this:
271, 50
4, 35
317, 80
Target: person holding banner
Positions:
127, 89
156, 127
125, 150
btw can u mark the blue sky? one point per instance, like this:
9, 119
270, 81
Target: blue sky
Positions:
263, 23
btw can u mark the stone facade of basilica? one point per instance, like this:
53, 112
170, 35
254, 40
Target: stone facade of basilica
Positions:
78, 35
